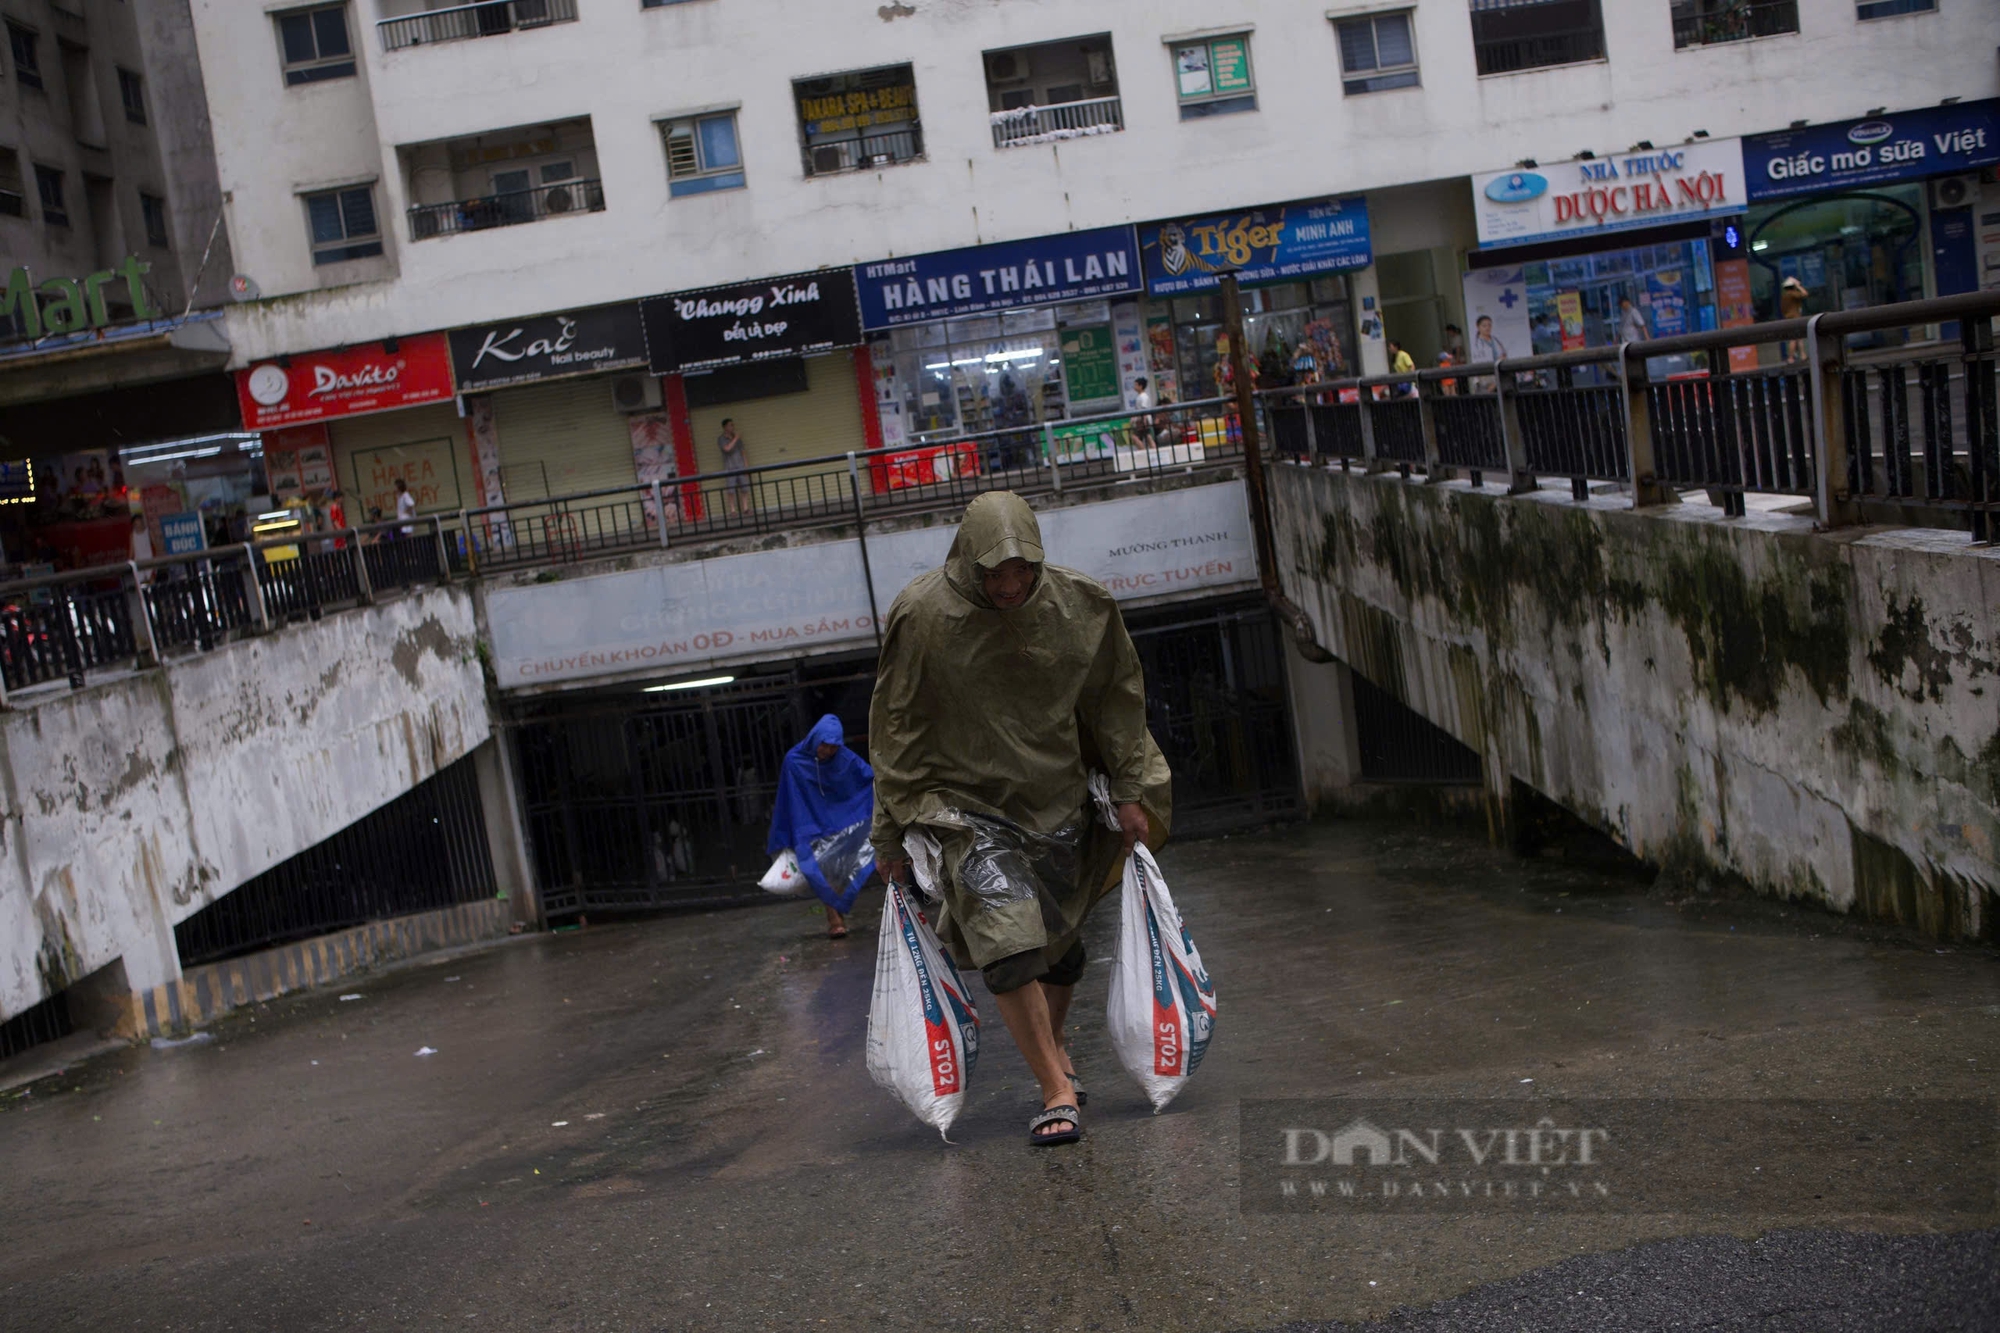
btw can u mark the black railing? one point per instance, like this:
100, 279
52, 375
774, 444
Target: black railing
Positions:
864, 151
942, 471
197, 605
65, 626
466, 21
509, 209
1913, 436
51, 630
1927, 429
1469, 431
1530, 34
1575, 431
422, 851
1709, 22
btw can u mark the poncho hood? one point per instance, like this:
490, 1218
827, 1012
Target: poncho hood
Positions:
997, 527
1003, 713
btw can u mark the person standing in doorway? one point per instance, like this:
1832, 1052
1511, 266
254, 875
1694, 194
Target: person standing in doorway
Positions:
736, 498
1140, 428
336, 517
1792, 297
406, 508
1454, 344
1631, 324
142, 538
1402, 363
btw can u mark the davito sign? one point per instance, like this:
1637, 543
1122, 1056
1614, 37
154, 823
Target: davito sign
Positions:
1909, 145
1275, 244
801, 315
520, 351
1074, 266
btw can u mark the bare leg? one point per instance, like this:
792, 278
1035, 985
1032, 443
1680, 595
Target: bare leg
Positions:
1027, 1013
836, 924
1057, 998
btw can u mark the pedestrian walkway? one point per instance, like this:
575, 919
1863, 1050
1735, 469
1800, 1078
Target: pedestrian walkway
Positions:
669, 1123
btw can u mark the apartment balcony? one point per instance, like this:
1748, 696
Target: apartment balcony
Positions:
509, 208
1053, 91
506, 178
1048, 124
462, 22
1709, 22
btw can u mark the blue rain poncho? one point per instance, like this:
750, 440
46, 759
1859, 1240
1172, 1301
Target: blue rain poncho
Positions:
823, 812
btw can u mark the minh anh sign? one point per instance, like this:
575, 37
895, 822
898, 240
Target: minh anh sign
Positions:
1616, 192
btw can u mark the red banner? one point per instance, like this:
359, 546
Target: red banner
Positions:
318, 386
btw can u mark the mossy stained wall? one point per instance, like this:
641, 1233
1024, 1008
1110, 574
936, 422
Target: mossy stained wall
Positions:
1817, 715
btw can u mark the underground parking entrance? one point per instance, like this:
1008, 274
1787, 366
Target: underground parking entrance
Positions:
639, 798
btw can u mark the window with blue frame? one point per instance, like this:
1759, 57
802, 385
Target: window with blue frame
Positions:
702, 154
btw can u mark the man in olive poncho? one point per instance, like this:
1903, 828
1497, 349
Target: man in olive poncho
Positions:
1004, 683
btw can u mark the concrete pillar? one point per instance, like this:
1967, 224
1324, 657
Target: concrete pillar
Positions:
506, 828
1322, 695
1367, 291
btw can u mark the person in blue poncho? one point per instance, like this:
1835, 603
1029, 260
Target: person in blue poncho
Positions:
826, 800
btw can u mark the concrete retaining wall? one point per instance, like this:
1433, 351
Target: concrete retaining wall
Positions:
130, 805
1817, 715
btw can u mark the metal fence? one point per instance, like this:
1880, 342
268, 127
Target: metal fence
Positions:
1708, 22
461, 22
66, 627
508, 209
1910, 435
422, 851
936, 471
1065, 120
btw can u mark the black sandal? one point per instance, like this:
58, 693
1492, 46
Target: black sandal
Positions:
1052, 1116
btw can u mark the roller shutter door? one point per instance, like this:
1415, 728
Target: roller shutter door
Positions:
561, 439
434, 433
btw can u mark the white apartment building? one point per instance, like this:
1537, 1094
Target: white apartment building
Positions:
393, 169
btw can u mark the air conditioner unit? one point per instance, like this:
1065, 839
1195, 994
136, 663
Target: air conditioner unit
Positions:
1954, 191
635, 393
1007, 66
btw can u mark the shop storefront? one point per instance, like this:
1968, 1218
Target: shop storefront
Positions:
1871, 211
991, 338
776, 357
1598, 251
1292, 261
354, 421
557, 404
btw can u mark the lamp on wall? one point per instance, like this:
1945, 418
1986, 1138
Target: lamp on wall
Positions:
1526, 164
1799, 124
1586, 156
1699, 134
390, 347
1643, 146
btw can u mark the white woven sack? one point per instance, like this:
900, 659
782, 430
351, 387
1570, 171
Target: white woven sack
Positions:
1162, 1007
923, 1030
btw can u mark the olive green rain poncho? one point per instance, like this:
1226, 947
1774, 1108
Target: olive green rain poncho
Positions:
985, 727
